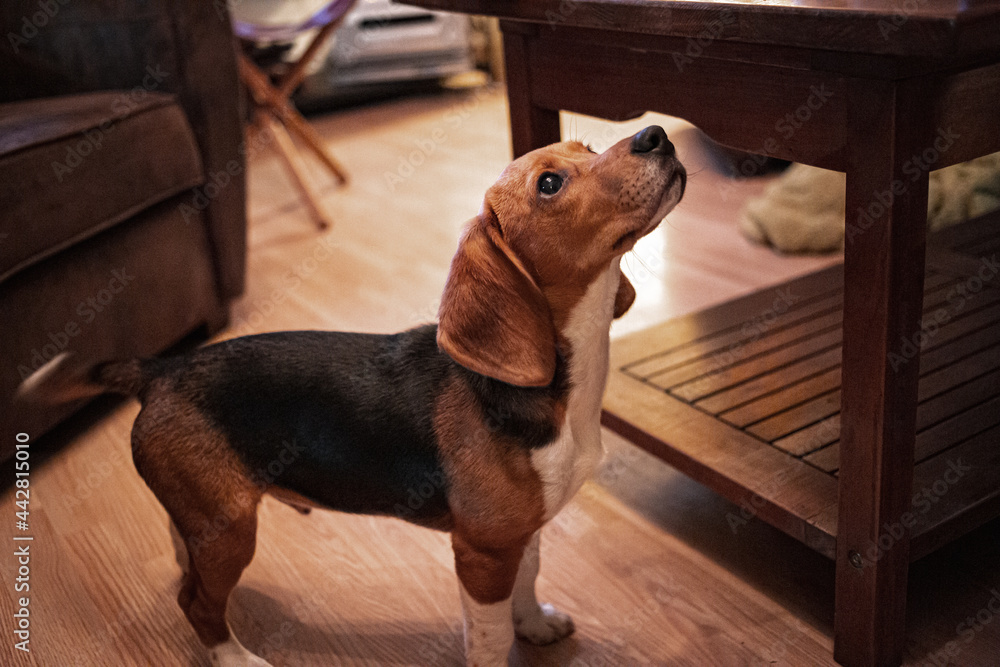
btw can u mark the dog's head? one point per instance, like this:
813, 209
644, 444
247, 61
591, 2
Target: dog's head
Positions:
553, 222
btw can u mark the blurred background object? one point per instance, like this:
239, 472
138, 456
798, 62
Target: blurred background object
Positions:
273, 114
382, 49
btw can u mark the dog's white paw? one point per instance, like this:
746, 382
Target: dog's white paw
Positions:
233, 654
545, 626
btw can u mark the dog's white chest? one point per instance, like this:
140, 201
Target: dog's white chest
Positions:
565, 464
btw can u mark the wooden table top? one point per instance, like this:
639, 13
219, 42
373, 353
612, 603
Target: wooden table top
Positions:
916, 28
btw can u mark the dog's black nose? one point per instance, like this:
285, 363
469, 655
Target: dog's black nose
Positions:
652, 140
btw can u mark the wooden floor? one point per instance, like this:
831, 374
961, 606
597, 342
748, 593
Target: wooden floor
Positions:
644, 559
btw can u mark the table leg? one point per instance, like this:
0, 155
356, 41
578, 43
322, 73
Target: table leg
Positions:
883, 297
530, 126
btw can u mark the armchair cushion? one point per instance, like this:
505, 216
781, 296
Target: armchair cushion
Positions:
73, 166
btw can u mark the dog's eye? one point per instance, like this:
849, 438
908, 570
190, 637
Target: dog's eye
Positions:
549, 183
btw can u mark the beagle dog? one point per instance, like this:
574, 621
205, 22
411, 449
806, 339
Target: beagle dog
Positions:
496, 408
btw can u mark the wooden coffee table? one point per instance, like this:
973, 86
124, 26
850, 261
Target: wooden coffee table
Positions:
809, 416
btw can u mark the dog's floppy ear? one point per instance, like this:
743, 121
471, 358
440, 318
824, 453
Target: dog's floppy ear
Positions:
494, 319
624, 297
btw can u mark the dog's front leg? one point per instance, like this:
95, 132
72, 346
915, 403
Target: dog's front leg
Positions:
489, 632
536, 623
486, 577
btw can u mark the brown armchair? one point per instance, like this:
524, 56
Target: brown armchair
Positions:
122, 189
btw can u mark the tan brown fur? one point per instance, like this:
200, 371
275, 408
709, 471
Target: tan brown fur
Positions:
210, 498
496, 496
487, 284
560, 247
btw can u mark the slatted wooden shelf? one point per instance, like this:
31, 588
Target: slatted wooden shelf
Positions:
745, 397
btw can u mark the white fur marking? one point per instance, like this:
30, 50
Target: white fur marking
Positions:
535, 623
489, 632
231, 653
565, 464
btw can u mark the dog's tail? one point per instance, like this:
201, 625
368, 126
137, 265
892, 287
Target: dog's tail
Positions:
66, 378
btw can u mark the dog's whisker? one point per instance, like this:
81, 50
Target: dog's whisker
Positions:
646, 266
633, 255
671, 224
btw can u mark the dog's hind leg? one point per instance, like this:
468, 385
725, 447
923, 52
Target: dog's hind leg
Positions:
217, 561
212, 504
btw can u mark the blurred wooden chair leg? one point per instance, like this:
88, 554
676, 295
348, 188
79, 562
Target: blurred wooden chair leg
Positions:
280, 116
302, 129
299, 172
272, 101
